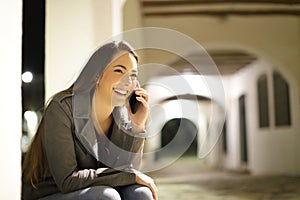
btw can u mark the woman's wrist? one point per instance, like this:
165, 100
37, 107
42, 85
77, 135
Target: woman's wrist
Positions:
137, 128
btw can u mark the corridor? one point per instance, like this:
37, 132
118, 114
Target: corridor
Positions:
189, 179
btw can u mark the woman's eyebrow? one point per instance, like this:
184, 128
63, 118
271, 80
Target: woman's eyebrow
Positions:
122, 66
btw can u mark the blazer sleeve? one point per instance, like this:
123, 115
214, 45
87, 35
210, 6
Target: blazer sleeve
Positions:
131, 147
60, 151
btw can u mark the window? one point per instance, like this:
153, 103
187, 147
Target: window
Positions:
225, 138
281, 100
243, 128
263, 101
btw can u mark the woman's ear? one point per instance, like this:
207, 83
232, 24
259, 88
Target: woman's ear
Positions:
99, 78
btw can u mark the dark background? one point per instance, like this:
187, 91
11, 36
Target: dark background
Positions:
33, 53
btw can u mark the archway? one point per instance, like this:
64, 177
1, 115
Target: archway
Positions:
185, 129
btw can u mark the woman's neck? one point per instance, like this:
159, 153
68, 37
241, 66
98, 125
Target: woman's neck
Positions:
102, 114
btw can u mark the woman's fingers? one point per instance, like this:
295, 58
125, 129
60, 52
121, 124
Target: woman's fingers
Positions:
142, 96
142, 93
143, 179
143, 101
154, 191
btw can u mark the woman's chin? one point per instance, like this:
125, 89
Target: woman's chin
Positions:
118, 103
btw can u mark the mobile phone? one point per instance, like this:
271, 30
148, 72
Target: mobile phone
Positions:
134, 104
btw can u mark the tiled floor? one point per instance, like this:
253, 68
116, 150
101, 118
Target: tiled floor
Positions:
187, 179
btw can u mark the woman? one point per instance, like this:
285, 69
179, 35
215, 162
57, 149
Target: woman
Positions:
89, 142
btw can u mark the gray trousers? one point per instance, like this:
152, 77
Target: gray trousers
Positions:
130, 192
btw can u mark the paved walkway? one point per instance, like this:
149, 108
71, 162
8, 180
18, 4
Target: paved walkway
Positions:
194, 184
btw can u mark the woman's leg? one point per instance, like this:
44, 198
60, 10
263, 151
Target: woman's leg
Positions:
135, 192
91, 193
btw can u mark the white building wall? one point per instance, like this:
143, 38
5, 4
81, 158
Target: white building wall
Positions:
73, 32
271, 150
10, 102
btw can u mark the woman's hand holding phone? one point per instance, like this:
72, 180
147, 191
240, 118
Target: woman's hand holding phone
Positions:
133, 102
138, 107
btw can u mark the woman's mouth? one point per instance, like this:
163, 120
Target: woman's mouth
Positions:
121, 92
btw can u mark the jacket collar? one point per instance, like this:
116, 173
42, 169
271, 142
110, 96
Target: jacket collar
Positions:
82, 106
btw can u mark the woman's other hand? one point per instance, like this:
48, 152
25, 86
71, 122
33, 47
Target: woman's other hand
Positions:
145, 180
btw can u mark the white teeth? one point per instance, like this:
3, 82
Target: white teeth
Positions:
123, 92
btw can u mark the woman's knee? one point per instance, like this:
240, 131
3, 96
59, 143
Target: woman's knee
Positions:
135, 192
143, 193
111, 194
91, 193
103, 193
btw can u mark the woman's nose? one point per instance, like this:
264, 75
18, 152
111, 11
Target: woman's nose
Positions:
126, 80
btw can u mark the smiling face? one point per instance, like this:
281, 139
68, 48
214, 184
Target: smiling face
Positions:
118, 80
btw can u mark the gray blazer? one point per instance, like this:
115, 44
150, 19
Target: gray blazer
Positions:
72, 163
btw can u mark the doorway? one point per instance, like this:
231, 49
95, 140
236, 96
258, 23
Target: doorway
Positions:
177, 134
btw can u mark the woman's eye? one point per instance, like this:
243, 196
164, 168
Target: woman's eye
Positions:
118, 71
